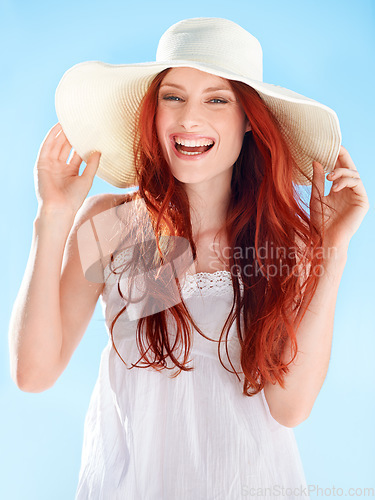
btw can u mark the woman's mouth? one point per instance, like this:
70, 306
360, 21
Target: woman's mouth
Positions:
192, 147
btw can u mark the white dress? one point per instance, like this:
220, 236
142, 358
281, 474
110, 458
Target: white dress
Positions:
149, 436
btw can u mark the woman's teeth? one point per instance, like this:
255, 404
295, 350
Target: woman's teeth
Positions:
194, 142
193, 147
189, 153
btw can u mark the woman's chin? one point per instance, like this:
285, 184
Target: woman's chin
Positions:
190, 179
216, 178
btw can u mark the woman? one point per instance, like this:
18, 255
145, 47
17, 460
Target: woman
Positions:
177, 412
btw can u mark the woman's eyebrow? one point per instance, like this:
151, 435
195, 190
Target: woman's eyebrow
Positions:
209, 89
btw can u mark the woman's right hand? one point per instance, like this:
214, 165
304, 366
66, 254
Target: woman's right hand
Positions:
58, 185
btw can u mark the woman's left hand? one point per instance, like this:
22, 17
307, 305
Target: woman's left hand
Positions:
346, 204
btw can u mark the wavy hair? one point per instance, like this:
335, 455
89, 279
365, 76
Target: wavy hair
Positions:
265, 212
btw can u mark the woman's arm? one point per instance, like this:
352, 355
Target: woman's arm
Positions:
292, 405
55, 302
344, 209
37, 324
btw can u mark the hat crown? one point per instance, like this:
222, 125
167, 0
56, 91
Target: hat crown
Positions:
213, 41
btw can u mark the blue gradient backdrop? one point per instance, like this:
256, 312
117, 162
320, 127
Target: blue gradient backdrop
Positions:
322, 49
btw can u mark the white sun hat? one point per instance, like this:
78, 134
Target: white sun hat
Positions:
96, 103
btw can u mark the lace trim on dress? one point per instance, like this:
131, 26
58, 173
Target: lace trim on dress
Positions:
217, 283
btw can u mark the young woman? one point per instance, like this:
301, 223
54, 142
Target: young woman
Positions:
218, 287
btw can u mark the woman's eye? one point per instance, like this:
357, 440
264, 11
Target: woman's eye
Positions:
171, 98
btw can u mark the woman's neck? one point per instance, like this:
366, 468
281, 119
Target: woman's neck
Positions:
208, 206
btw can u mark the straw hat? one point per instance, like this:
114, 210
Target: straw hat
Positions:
96, 103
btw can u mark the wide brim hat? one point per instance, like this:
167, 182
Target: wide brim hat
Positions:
96, 103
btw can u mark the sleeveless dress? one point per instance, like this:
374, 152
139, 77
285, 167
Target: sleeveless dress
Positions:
149, 436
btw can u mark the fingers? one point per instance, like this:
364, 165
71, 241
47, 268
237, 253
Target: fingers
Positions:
317, 192
345, 174
55, 144
351, 182
342, 171
60, 148
344, 159
65, 148
317, 189
75, 160
92, 165
49, 139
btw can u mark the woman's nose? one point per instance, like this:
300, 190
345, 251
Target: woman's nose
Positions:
191, 115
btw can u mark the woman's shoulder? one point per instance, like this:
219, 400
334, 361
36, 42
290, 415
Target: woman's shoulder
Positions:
103, 206
100, 222
103, 201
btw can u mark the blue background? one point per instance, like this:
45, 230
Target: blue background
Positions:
321, 49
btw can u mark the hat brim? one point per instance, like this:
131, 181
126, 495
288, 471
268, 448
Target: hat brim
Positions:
96, 104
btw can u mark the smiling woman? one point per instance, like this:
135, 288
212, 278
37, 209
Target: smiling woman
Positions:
218, 287
203, 120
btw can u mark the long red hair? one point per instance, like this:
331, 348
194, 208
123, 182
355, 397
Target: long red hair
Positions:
265, 212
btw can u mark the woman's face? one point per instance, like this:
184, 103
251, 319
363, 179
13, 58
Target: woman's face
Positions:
200, 124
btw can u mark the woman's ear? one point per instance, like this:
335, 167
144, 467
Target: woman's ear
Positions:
248, 126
